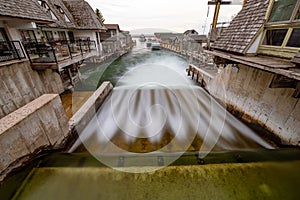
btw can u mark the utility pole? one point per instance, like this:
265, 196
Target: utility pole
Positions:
244, 3
218, 4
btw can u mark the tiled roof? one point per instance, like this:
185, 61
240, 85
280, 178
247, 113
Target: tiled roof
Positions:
25, 9
112, 26
198, 37
243, 28
84, 15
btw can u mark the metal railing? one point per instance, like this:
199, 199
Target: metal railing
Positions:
54, 52
11, 50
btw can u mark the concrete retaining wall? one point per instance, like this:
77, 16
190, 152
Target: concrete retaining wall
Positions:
39, 124
82, 117
246, 92
20, 84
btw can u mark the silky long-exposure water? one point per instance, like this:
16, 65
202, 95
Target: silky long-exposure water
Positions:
154, 107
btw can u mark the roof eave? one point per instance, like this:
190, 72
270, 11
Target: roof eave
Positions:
30, 19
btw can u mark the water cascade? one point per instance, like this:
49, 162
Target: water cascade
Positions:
154, 107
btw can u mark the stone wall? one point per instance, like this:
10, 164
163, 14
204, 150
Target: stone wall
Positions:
20, 84
39, 124
246, 92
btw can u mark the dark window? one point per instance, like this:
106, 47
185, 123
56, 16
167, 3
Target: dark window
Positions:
3, 36
294, 40
282, 10
48, 35
71, 36
62, 35
275, 37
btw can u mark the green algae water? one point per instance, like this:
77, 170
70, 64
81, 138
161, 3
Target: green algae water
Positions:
164, 155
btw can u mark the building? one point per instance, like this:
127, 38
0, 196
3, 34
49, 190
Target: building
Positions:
88, 24
259, 55
114, 39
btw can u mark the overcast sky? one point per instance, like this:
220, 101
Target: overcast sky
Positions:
174, 15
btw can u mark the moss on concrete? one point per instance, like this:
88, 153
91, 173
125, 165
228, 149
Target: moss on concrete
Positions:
268, 180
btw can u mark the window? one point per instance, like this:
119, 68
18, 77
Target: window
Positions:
67, 18
53, 15
48, 35
3, 35
275, 37
45, 5
282, 10
28, 35
283, 28
62, 35
294, 39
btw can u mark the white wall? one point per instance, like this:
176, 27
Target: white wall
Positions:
87, 33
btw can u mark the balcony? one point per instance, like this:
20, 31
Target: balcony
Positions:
11, 50
59, 54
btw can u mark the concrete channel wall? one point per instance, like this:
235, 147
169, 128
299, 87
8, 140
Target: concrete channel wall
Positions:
246, 92
38, 125
20, 84
82, 117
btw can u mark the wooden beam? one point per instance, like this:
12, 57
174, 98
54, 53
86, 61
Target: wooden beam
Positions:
216, 15
222, 2
244, 3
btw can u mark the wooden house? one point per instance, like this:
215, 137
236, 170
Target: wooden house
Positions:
258, 54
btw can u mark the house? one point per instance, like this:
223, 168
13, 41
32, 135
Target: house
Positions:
88, 24
192, 41
13, 18
259, 55
113, 30
70, 36
114, 39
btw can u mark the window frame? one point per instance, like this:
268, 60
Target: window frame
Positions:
291, 20
283, 50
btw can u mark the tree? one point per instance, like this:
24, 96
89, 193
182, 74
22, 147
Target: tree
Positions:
99, 15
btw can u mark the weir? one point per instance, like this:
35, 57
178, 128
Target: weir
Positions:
154, 107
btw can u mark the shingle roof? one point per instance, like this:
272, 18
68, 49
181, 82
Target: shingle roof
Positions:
25, 9
83, 14
243, 28
61, 22
112, 26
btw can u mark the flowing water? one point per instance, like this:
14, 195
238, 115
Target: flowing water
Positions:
155, 107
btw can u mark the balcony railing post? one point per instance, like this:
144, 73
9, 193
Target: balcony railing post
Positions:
53, 51
69, 48
27, 54
80, 48
15, 50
